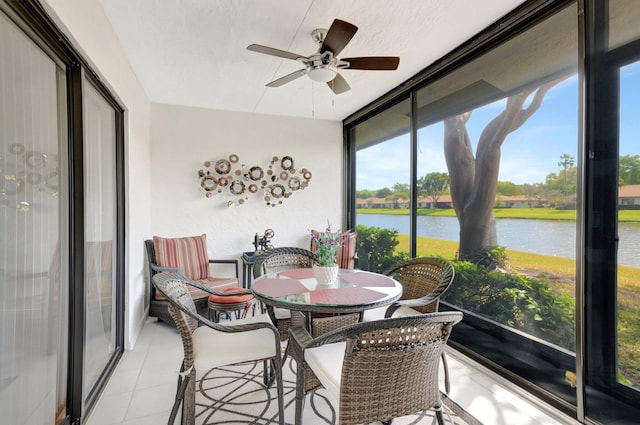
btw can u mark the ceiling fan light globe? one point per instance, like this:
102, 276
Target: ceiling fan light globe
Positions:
322, 74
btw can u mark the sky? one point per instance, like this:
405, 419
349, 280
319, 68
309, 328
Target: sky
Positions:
528, 155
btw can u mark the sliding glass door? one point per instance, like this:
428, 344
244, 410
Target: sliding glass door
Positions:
34, 227
100, 225
61, 224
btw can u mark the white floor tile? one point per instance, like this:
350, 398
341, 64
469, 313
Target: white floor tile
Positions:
142, 389
110, 409
122, 381
150, 401
159, 418
159, 374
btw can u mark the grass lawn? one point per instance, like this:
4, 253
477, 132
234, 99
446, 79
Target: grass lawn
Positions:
560, 273
627, 216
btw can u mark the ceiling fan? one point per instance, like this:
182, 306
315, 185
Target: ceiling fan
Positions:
323, 65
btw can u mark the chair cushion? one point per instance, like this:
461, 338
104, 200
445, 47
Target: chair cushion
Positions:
282, 313
378, 313
326, 363
189, 254
231, 299
217, 283
345, 257
213, 348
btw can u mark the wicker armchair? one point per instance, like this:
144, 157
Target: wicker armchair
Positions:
423, 281
389, 367
276, 260
196, 267
213, 345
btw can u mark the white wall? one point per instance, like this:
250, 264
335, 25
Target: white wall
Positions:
182, 138
85, 24
165, 145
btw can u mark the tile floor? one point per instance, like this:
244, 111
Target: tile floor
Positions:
142, 388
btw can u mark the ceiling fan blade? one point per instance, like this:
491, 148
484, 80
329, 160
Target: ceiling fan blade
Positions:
338, 84
287, 78
379, 63
338, 36
274, 52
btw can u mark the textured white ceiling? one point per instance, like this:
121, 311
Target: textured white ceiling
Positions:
193, 52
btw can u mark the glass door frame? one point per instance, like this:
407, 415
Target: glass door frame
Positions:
597, 366
31, 18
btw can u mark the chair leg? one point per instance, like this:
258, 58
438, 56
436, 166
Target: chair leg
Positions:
300, 393
439, 416
447, 382
182, 387
269, 372
189, 404
280, 389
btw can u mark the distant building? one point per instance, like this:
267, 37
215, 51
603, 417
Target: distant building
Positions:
444, 201
629, 194
522, 201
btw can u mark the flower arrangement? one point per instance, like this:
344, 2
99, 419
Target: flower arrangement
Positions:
328, 244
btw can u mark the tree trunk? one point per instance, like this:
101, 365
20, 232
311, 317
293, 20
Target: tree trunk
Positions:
474, 181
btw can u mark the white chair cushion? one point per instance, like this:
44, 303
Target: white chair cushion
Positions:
326, 363
282, 313
378, 313
213, 348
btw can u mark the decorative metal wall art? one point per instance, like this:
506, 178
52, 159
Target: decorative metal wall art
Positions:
22, 173
236, 183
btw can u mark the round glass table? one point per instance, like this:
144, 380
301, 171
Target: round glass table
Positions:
354, 291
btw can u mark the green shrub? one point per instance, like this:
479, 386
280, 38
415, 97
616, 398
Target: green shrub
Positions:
522, 303
490, 259
376, 248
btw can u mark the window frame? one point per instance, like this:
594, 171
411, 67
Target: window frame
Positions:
596, 191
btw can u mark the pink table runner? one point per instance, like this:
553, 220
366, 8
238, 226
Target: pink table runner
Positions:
343, 296
367, 279
276, 288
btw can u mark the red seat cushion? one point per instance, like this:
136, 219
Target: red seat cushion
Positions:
231, 299
217, 283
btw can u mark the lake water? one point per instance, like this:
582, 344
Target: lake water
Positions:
548, 237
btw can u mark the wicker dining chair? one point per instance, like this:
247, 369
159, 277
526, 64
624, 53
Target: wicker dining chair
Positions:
213, 345
376, 371
280, 259
423, 280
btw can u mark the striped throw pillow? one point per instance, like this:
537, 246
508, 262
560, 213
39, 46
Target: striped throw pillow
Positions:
189, 254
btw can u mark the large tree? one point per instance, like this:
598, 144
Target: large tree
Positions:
473, 179
629, 169
433, 185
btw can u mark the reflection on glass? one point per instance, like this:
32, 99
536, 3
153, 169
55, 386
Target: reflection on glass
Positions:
383, 185
628, 289
100, 231
497, 172
496, 179
33, 216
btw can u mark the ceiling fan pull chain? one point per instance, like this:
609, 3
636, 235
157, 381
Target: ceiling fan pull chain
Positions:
313, 111
333, 94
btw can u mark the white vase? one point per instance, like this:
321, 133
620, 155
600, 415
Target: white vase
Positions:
326, 275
